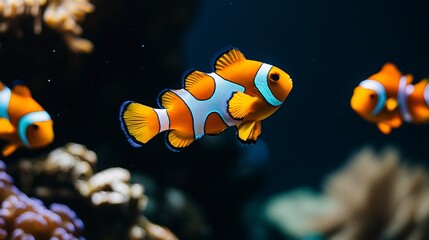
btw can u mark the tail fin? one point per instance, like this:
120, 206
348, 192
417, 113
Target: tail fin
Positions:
139, 123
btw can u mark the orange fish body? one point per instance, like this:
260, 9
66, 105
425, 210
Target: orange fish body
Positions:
239, 92
388, 99
23, 122
418, 102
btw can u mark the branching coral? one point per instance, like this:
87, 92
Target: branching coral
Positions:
22, 217
111, 187
60, 15
56, 174
67, 174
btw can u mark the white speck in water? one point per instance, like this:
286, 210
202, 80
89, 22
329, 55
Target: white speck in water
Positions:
53, 50
142, 45
49, 80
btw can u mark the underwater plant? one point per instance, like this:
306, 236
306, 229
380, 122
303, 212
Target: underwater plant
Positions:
60, 15
22, 217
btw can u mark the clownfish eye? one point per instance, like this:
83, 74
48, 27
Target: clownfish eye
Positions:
372, 96
34, 126
274, 77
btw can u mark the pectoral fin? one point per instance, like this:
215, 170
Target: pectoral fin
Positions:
391, 104
9, 149
248, 132
395, 122
384, 128
240, 105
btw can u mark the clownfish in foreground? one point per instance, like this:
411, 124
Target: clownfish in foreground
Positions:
388, 98
239, 92
23, 122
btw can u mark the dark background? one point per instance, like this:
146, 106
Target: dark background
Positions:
327, 47
143, 47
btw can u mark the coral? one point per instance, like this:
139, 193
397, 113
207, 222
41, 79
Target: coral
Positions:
22, 217
145, 230
60, 15
110, 187
56, 174
292, 212
377, 197
67, 175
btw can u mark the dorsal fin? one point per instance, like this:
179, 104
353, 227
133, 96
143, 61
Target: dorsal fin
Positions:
409, 78
231, 56
390, 68
200, 85
192, 78
167, 98
22, 90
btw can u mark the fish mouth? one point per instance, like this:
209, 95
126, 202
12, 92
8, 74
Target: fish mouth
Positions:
358, 106
354, 103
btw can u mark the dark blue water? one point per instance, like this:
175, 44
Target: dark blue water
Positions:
327, 48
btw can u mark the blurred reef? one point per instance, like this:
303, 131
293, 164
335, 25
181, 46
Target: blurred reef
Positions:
376, 195
62, 16
67, 175
22, 217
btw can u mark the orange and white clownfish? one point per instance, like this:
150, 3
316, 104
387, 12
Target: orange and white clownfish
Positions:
239, 93
388, 99
23, 122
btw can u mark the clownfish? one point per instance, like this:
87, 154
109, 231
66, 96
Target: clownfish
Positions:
23, 122
388, 98
239, 92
